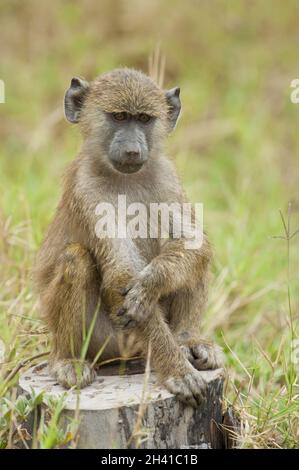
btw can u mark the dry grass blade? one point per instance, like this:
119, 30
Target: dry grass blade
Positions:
156, 66
138, 434
22, 364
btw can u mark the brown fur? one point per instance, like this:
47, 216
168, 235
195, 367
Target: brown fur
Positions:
79, 276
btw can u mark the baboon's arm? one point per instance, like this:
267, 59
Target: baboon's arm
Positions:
176, 267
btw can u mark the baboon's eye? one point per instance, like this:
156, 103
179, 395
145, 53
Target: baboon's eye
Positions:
144, 118
123, 116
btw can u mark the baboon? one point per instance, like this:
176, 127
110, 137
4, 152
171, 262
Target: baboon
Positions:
150, 289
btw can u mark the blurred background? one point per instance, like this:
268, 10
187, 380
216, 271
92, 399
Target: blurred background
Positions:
236, 148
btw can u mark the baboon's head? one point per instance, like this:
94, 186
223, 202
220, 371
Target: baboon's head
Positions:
124, 117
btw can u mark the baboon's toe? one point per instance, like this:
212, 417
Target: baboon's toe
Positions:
205, 356
189, 388
72, 373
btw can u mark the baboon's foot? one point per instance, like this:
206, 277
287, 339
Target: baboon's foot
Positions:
190, 388
204, 356
73, 373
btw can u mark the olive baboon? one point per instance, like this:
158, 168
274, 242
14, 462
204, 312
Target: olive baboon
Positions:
152, 288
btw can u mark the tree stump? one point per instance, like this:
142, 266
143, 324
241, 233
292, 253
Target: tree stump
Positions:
131, 410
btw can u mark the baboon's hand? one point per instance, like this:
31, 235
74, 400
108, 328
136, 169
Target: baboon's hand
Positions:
138, 305
189, 387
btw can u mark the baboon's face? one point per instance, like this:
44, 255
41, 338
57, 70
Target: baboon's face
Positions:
124, 115
128, 140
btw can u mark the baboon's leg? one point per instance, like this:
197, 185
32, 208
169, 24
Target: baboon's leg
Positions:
67, 304
169, 361
186, 307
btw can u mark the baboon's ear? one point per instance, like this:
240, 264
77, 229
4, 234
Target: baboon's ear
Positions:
74, 98
174, 105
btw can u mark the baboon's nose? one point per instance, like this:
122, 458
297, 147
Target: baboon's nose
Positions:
132, 155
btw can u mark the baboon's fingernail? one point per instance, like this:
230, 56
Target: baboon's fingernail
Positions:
121, 311
130, 324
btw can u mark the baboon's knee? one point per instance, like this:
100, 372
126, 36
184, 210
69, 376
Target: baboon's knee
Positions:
77, 264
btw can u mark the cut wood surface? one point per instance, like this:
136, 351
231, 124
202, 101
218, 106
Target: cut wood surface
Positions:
127, 411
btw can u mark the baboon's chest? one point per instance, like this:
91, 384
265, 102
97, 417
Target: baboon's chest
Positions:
135, 222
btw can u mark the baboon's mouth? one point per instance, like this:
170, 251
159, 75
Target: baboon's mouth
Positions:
127, 167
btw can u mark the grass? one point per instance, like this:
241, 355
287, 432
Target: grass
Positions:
236, 150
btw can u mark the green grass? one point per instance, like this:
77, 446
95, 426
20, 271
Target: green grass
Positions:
236, 149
